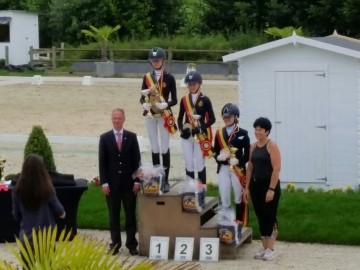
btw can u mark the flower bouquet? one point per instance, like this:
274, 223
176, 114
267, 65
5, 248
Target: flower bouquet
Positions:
151, 178
229, 229
193, 195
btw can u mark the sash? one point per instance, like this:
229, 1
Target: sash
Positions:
169, 119
220, 135
204, 141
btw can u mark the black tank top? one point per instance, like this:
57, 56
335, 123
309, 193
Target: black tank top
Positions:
261, 162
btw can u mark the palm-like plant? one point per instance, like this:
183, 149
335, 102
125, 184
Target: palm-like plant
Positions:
81, 253
102, 36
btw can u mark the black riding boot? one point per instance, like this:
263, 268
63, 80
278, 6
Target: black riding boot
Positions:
202, 176
166, 164
190, 174
242, 213
155, 158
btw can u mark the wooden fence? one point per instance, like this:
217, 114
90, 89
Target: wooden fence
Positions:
52, 56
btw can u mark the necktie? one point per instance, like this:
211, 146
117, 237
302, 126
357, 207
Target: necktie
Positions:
118, 141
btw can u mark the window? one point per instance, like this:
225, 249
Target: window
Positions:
5, 29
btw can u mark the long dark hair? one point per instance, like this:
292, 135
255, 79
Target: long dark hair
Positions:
34, 186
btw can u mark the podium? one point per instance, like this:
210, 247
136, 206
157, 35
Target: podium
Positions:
163, 216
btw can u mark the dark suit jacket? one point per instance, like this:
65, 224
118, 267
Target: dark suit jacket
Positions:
241, 141
117, 168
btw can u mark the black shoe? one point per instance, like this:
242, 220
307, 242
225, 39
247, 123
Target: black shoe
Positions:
133, 252
166, 187
112, 251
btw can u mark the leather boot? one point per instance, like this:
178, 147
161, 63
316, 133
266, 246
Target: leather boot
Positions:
166, 164
242, 213
190, 174
202, 176
155, 158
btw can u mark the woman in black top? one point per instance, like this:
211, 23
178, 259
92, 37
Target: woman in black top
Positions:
263, 185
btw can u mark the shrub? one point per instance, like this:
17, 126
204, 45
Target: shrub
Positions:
39, 144
2, 63
10, 176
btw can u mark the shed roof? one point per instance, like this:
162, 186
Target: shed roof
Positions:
334, 43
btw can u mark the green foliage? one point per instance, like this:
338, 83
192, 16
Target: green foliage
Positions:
283, 32
62, 20
102, 36
93, 212
2, 63
315, 215
80, 253
10, 176
37, 143
135, 50
320, 217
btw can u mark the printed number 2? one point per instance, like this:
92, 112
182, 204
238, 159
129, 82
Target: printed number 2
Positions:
209, 251
182, 252
159, 247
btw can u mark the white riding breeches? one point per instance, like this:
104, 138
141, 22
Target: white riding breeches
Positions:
155, 126
192, 155
227, 181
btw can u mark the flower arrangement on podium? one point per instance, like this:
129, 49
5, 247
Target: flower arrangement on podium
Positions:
228, 228
193, 195
151, 178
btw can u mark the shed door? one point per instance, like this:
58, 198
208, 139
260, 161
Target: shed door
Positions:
300, 128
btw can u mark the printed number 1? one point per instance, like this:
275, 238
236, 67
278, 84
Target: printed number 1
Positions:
159, 247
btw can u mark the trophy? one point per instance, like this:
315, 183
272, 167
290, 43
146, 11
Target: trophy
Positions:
152, 96
232, 155
196, 118
228, 153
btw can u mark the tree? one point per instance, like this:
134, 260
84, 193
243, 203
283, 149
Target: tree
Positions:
39, 144
102, 36
166, 17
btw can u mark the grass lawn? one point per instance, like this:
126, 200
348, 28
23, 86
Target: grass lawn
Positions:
316, 217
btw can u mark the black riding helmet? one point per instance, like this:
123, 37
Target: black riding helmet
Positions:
193, 77
230, 109
157, 53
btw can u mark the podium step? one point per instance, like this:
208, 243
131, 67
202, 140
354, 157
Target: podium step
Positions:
229, 252
163, 216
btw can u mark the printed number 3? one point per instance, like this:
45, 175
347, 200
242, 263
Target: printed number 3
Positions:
209, 251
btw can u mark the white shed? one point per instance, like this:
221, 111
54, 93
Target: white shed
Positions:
18, 30
310, 90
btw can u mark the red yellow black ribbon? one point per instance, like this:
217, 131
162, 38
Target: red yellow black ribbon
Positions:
204, 141
169, 119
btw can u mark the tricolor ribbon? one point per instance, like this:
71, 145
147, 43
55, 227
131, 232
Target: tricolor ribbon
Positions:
204, 141
169, 119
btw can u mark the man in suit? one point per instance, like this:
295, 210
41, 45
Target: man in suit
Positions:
119, 158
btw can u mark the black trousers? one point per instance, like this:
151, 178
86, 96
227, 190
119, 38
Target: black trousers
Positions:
265, 212
114, 201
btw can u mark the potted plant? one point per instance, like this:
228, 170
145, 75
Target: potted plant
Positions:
105, 68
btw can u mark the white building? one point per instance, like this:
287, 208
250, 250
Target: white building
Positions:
310, 90
18, 30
